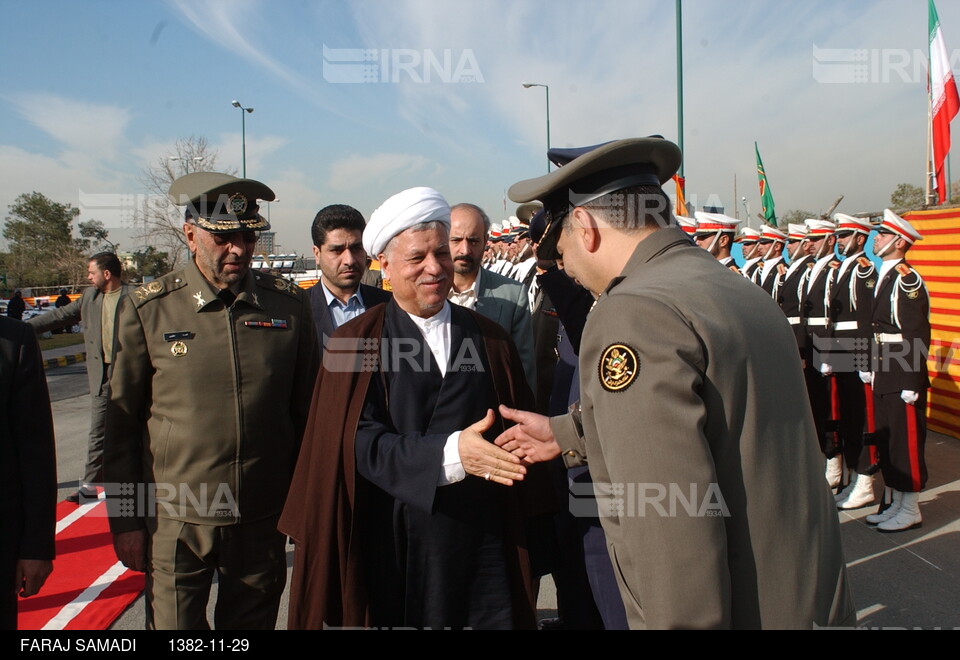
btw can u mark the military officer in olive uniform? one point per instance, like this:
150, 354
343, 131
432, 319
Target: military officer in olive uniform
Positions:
688, 373
212, 379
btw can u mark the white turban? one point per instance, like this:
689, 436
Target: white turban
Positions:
399, 213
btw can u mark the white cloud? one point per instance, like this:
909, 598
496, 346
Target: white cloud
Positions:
78, 125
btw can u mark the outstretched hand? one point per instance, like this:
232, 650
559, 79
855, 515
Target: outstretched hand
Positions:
482, 459
530, 438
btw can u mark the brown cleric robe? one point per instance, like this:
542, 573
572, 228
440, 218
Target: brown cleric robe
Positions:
327, 514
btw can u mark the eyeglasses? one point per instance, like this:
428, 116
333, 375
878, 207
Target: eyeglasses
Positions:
236, 237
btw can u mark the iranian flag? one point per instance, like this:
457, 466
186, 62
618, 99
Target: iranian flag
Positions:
944, 101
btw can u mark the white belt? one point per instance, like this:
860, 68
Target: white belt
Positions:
793, 320
818, 321
887, 337
845, 325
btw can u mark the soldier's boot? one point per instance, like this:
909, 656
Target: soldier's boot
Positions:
907, 517
848, 488
861, 495
834, 471
888, 513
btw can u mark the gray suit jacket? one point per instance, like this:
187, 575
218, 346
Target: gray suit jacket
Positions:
86, 308
504, 300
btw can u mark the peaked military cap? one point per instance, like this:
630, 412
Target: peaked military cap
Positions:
587, 173
221, 203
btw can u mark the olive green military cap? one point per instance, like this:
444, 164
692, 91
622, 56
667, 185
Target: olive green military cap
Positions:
221, 203
587, 173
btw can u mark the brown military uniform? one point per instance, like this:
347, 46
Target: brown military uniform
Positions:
208, 405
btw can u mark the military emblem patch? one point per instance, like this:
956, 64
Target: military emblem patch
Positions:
618, 367
238, 204
871, 284
912, 295
179, 349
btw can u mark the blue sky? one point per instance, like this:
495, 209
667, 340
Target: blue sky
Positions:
93, 92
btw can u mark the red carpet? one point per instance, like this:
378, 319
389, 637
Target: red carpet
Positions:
88, 588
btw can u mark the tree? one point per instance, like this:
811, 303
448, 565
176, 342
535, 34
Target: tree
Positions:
43, 251
94, 235
151, 262
158, 222
907, 196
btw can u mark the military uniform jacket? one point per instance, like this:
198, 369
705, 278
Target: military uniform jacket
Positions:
901, 332
851, 298
86, 308
791, 292
208, 401
774, 278
688, 382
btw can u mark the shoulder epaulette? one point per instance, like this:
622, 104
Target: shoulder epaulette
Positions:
735, 269
903, 269
782, 269
834, 264
152, 290
810, 265
273, 283
863, 261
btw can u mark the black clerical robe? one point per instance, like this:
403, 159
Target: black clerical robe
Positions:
379, 543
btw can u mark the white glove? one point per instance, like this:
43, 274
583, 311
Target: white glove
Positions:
826, 369
909, 396
866, 377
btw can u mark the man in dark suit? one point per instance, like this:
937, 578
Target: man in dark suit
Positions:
339, 295
28, 470
97, 308
499, 298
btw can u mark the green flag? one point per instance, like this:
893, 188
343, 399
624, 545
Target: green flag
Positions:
766, 197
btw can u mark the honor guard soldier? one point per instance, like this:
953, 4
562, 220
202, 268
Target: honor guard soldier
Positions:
694, 408
749, 243
212, 378
851, 303
715, 234
771, 271
816, 302
901, 343
794, 281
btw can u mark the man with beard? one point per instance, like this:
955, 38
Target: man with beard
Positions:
816, 304
211, 386
398, 506
499, 298
339, 296
770, 274
97, 308
715, 232
850, 331
749, 243
794, 282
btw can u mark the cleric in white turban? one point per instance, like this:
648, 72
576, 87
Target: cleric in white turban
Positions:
400, 212
399, 505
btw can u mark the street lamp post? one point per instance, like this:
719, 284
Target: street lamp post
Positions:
243, 126
186, 162
547, 89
